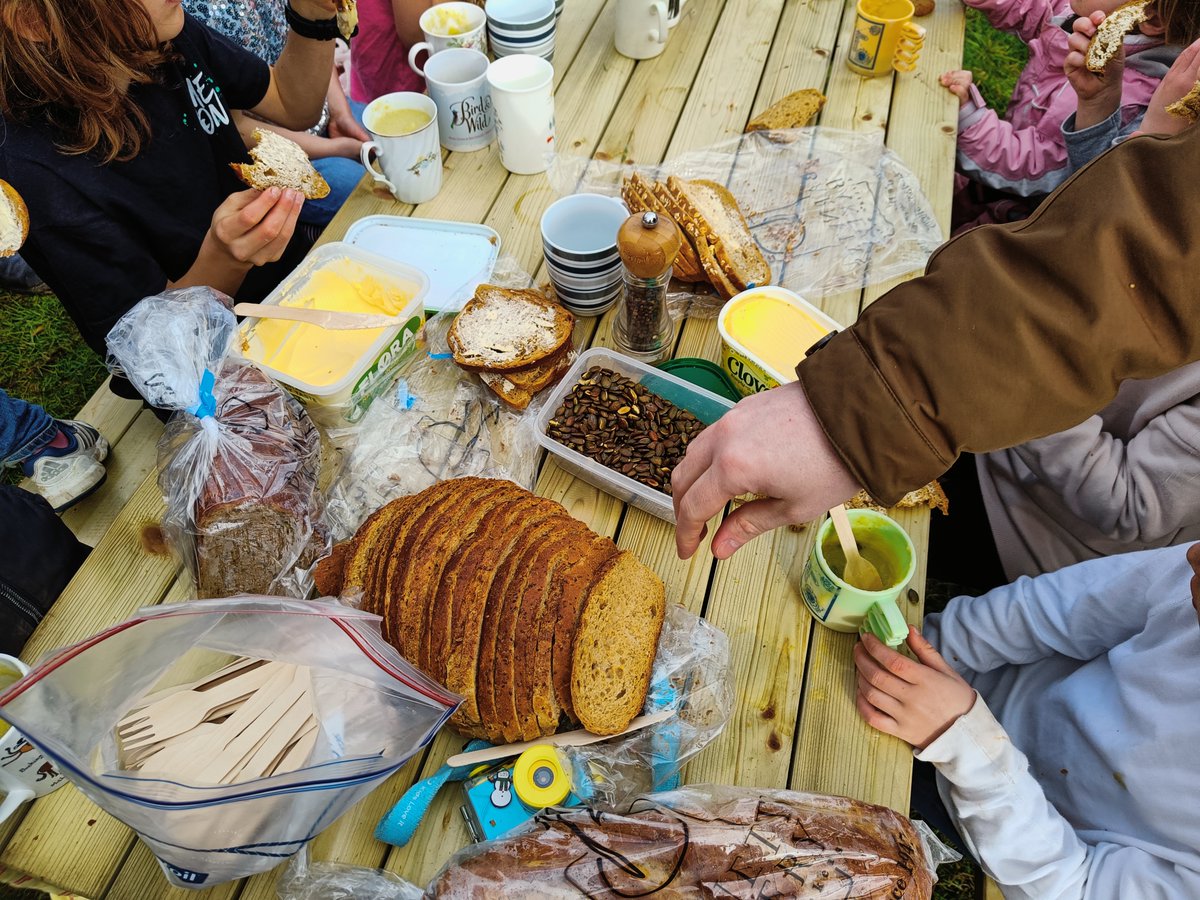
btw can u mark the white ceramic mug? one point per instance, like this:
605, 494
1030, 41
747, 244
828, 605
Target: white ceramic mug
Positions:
436, 23
643, 26
457, 82
522, 89
412, 163
25, 772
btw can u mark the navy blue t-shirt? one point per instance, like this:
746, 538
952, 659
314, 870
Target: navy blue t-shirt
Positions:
103, 236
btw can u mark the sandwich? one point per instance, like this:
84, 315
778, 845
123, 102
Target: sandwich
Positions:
1187, 106
279, 162
1110, 33
14, 220
347, 18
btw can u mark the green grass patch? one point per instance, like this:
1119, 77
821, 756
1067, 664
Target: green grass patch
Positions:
995, 58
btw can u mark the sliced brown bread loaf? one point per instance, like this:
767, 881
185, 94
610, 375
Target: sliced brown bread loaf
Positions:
581, 570
796, 110
1110, 33
327, 574
280, 162
736, 250
536, 595
615, 644
502, 328
360, 553
640, 196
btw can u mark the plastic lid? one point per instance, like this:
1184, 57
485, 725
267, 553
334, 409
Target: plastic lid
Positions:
886, 622
539, 778
703, 373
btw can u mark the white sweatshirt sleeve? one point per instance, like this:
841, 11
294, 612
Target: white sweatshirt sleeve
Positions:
1079, 612
1018, 836
1143, 489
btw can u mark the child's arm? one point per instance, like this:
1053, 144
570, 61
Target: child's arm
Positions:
1079, 612
1022, 841
1141, 490
1022, 161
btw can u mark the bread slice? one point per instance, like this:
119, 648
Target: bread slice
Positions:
931, 496
1187, 106
796, 110
500, 329
347, 18
14, 219
1110, 33
576, 580
362, 553
615, 644
327, 574
279, 162
517, 388
640, 196
735, 249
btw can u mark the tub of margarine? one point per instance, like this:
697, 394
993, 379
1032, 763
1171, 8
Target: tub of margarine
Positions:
765, 331
337, 372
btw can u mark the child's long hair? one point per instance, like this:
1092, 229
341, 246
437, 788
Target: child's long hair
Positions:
1181, 19
71, 65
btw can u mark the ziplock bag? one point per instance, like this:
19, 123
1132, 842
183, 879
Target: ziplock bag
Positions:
374, 712
239, 461
706, 841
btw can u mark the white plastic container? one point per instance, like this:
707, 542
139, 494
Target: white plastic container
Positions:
749, 371
704, 405
345, 399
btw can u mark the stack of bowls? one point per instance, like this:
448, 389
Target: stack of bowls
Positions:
521, 26
579, 238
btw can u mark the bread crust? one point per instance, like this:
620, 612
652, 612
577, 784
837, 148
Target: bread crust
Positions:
14, 206
272, 154
1187, 106
640, 195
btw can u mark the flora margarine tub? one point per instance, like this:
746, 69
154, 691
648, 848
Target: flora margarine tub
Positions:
337, 372
766, 331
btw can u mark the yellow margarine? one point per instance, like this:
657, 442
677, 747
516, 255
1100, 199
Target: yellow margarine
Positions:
775, 331
323, 356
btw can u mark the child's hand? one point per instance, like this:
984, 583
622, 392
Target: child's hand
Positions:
958, 82
915, 701
1099, 93
1180, 79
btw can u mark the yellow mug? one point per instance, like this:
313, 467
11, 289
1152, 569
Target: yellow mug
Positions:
885, 38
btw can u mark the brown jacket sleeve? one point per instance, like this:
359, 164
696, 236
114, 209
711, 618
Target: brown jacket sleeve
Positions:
1018, 331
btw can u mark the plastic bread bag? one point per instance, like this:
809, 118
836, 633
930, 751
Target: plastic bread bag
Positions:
691, 676
307, 880
373, 710
240, 459
830, 210
705, 841
435, 422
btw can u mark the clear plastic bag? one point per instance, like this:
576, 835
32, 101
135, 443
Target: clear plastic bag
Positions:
307, 880
374, 710
240, 460
831, 210
690, 675
704, 841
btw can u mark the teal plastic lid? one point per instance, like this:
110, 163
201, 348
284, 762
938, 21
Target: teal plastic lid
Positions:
703, 373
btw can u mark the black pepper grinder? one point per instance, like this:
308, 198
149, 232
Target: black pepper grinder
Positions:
648, 244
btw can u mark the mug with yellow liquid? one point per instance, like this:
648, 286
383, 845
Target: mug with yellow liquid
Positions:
447, 26
840, 605
25, 772
885, 38
404, 138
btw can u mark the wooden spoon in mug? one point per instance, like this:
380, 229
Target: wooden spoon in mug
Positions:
859, 572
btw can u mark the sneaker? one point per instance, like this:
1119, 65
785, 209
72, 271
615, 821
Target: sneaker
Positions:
87, 437
17, 276
65, 480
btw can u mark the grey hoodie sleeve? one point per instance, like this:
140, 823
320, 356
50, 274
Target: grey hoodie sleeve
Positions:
1085, 145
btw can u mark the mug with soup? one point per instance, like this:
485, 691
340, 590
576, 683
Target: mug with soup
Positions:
404, 139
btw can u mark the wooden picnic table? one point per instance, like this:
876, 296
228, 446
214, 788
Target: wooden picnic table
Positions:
794, 722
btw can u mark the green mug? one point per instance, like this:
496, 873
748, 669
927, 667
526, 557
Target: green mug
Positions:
843, 607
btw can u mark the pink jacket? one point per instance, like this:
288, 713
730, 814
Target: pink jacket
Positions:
1025, 153
378, 60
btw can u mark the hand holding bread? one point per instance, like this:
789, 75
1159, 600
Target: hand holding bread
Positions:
1098, 93
1171, 108
253, 228
14, 220
1108, 41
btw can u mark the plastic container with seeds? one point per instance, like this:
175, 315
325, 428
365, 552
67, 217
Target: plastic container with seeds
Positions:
704, 405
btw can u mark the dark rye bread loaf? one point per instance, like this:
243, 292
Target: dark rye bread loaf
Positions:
615, 644
742, 842
257, 514
576, 581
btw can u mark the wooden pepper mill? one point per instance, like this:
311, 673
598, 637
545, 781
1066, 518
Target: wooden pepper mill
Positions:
648, 244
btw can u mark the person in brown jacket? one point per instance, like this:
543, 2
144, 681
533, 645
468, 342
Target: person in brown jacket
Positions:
1012, 334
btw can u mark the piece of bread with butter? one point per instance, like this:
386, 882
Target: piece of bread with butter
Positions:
1110, 33
14, 220
280, 163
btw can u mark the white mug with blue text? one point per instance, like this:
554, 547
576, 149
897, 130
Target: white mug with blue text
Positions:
25, 772
457, 83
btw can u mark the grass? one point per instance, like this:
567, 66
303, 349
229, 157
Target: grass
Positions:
43, 359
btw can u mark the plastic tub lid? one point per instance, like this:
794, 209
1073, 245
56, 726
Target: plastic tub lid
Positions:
703, 373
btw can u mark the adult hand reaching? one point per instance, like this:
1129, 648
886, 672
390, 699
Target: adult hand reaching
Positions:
770, 444
1180, 78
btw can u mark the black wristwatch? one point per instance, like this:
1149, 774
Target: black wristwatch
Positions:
313, 29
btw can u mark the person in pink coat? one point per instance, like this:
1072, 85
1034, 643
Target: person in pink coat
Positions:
1005, 165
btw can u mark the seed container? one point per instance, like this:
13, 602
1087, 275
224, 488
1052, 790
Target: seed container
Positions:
704, 405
